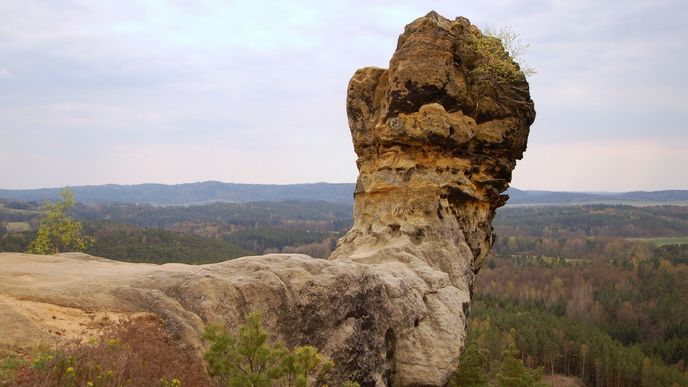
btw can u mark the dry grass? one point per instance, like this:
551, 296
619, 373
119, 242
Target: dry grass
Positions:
131, 353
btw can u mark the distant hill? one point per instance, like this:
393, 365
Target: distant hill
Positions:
215, 191
192, 193
517, 196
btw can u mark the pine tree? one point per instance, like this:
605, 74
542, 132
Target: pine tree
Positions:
251, 359
472, 368
247, 359
514, 374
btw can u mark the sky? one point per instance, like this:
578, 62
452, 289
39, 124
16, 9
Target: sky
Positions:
128, 92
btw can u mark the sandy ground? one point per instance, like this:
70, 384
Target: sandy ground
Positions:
38, 293
59, 322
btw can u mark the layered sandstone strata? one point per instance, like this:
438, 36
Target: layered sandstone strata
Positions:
436, 145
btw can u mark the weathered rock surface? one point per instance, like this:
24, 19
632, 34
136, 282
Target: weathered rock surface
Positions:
435, 147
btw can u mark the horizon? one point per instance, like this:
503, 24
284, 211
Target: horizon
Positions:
511, 186
253, 92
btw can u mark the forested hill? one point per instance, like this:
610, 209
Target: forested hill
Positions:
215, 191
191, 193
517, 196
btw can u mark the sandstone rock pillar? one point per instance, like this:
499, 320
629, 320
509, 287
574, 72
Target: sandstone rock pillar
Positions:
436, 142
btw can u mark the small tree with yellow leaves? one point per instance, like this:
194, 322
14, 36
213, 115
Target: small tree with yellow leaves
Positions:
57, 231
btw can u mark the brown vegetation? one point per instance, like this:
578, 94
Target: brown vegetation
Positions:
131, 353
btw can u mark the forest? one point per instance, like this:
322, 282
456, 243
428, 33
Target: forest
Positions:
594, 293
606, 323
146, 233
597, 292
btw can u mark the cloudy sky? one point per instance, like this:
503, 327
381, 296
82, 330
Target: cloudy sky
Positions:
126, 92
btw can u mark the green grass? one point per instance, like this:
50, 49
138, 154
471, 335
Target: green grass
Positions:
664, 241
8, 367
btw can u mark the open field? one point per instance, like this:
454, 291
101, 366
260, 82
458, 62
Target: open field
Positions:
664, 241
17, 211
18, 226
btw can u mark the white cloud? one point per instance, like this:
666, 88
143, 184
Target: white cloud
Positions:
603, 166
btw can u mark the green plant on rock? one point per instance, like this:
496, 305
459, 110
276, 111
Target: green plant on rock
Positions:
170, 383
247, 359
57, 231
9, 364
60, 366
250, 359
500, 57
307, 367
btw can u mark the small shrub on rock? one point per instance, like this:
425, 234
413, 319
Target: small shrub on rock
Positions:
250, 358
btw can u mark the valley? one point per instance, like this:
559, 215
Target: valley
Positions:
598, 293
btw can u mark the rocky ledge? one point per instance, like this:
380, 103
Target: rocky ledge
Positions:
436, 140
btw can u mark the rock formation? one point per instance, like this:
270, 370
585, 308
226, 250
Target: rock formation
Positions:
436, 144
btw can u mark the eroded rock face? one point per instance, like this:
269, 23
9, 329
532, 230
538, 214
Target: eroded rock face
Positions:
435, 147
